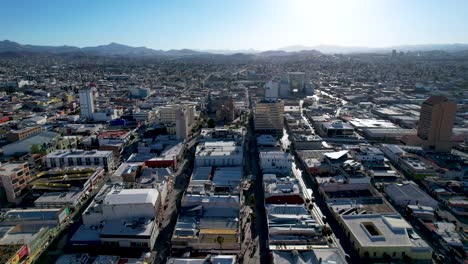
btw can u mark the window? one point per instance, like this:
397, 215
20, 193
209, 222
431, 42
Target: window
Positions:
52, 163
79, 161
61, 161
70, 162
88, 161
96, 161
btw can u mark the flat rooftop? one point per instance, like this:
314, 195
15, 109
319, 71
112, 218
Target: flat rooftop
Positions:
375, 230
131, 196
79, 153
371, 123
130, 228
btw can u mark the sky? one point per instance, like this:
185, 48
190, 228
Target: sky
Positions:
234, 24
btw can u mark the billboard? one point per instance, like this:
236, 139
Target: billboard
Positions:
22, 252
63, 214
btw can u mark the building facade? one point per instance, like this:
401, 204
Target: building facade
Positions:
67, 158
86, 103
436, 123
14, 178
268, 117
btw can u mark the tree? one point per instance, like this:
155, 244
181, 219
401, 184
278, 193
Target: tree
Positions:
211, 123
38, 149
220, 241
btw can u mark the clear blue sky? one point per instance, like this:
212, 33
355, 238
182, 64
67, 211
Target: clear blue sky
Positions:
234, 24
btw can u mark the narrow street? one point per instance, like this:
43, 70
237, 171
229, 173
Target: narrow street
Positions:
261, 221
162, 246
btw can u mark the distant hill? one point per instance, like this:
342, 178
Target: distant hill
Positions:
330, 49
112, 49
10, 48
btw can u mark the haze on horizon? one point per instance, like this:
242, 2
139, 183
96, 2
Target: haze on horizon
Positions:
230, 24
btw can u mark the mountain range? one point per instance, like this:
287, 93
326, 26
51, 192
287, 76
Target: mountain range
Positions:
115, 49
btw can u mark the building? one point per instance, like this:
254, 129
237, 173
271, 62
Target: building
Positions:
436, 123
376, 236
114, 137
14, 178
182, 124
218, 259
314, 256
167, 114
120, 218
219, 153
297, 81
140, 92
271, 91
225, 109
180, 117
409, 194
15, 135
268, 117
44, 141
86, 103
276, 162
60, 199
368, 154
292, 226
416, 167
336, 129
70, 158
208, 224
283, 190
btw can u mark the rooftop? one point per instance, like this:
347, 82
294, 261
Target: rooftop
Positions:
375, 230
79, 153
131, 196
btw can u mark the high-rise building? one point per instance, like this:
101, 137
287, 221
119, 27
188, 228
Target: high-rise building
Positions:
268, 117
225, 110
181, 117
182, 127
297, 81
86, 103
436, 123
271, 90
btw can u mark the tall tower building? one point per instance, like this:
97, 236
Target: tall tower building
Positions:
182, 123
86, 103
268, 117
271, 90
297, 81
436, 123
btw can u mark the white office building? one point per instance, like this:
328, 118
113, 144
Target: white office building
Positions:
86, 103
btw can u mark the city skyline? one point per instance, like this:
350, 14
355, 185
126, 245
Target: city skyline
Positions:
233, 25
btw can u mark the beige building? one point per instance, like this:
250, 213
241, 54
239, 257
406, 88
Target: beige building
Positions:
381, 237
268, 117
436, 123
179, 118
14, 178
